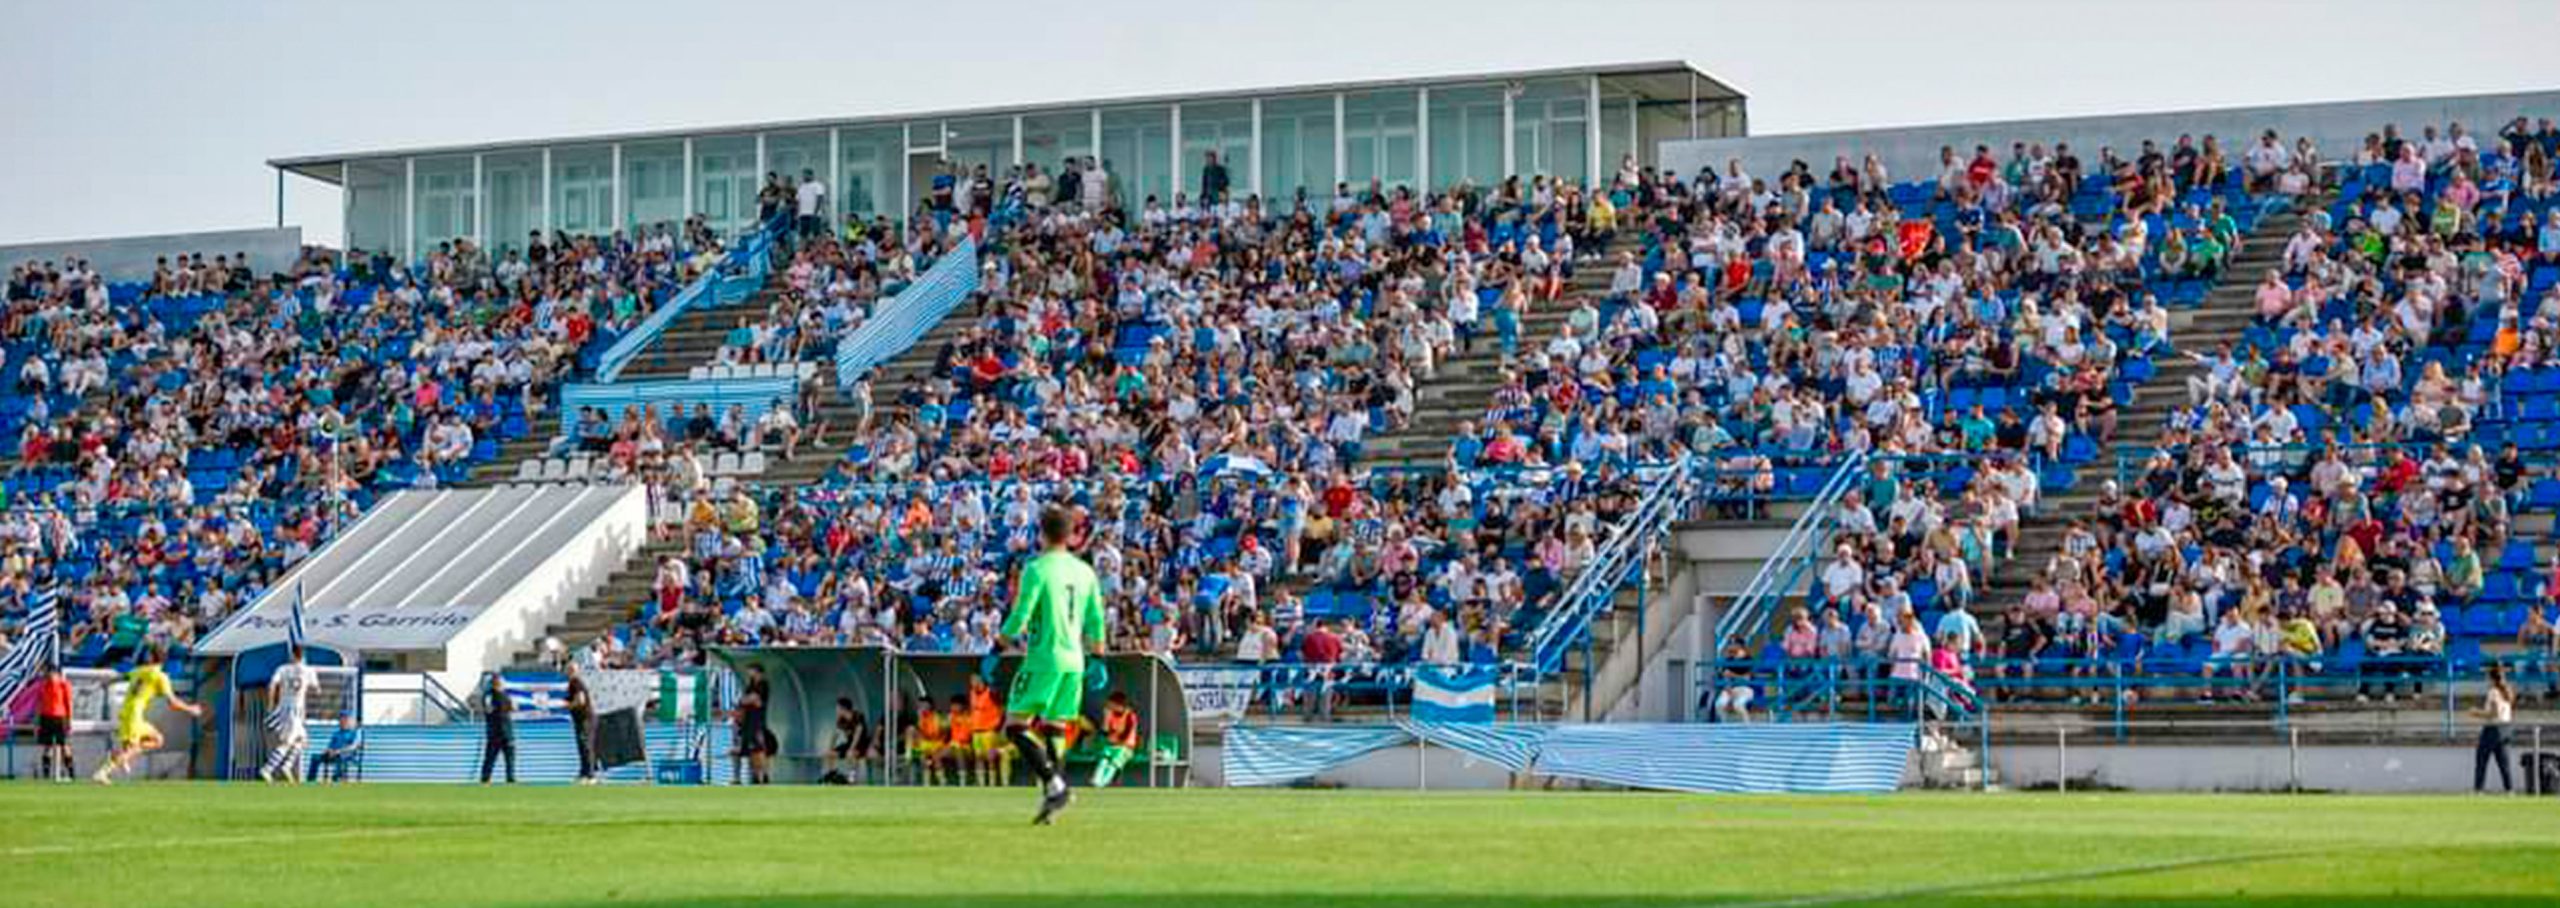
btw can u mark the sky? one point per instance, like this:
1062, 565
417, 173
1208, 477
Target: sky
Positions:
157, 116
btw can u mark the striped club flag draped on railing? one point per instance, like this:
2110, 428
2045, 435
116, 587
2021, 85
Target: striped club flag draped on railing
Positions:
897, 324
39, 644
1454, 694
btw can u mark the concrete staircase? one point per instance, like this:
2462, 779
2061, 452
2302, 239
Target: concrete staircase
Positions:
627, 590
1463, 388
2223, 316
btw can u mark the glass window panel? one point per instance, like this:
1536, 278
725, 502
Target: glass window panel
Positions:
797, 156
1466, 136
987, 142
1617, 138
725, 182
446, 201
582, 190
1137, 153
1050, 139
513, 181
1226, 129
653, 185
1551, 130
375, 193
872, 160
1297, 151
1378, 131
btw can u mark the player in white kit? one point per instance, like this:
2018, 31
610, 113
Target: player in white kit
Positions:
288, 699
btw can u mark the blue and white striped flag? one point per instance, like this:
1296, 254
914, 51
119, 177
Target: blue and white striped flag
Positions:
39, 645
293, 629
1454, 695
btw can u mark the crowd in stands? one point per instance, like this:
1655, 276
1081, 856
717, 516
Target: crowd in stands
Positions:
1214, 360
181, 440
2345, 493
1760, 328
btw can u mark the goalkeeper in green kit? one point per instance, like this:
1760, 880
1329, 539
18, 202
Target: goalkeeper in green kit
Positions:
1057, 616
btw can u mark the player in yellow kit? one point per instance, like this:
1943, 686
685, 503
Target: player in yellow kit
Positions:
134, 734
1057, 614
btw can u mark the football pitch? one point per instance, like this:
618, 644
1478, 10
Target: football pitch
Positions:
204, 845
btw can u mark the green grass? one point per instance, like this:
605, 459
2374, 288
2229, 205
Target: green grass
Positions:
202, 845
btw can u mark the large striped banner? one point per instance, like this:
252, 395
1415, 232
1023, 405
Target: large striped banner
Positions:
1803, 758
546, 752
1269, 755
897, 324
1766, 759
754, 395
1512, 747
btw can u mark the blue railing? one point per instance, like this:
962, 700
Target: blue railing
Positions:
897, 324
1826, 689
721, 285
1595, 589
1275, 687
1790, 565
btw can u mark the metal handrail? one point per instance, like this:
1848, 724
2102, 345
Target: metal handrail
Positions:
2119, 683
1596, 587
752, 253
1778, 573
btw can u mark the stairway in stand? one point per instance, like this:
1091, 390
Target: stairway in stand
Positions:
1463, 388
2223, 316
693, 341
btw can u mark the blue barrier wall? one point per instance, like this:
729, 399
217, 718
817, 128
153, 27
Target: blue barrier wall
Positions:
546, 752
660, 397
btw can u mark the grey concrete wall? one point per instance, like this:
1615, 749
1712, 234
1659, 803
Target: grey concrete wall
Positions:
124, 258
2402, 769
2375, 769
1911, 153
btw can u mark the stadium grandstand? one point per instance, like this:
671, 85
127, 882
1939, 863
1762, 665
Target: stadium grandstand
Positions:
1554, 391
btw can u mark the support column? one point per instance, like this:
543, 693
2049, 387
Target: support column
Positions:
1591, 140
346, 211
1635, 138
409, 212
1340, 142
550, 217
1253, 169
480, 202
1510, 154
1422, 141
835, 173
617, 190
1173, 134
687, 211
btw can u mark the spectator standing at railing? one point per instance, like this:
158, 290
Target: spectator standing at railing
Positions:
810, 203
2497, 710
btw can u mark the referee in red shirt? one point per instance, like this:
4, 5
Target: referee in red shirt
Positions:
53, 725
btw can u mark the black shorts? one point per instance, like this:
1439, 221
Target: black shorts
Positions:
756, 740
53, 730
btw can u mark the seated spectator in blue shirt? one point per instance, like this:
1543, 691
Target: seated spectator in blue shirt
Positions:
346, 746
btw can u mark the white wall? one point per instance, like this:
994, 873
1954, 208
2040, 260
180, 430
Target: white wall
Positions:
1911, 153
514, 621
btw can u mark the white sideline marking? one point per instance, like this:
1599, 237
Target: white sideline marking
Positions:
277, 837
2029, 879
200, 841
